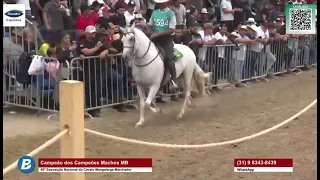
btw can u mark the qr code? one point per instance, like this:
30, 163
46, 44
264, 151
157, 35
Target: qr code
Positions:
300, 19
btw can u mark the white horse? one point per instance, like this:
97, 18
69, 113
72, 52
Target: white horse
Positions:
148, 69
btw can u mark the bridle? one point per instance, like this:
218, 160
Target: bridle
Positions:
133, 50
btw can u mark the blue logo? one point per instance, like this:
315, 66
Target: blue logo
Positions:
26, 164
14, 13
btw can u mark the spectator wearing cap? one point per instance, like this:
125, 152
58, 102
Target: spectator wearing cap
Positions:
240, 55
54, 16
92, 75
96, 6
227, 14
204, 16
180, 12
118, 18
250, 22
103, 22
255, 50
111, 29
84, 20
140, 22
129, 13
191, 16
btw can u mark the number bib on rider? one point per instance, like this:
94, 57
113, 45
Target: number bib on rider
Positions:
161, 20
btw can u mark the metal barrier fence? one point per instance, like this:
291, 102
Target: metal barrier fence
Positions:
109, 82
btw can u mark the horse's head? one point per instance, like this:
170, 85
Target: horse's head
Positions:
129, 42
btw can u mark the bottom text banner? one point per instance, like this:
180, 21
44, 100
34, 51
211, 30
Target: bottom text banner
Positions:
102, 169
263, 169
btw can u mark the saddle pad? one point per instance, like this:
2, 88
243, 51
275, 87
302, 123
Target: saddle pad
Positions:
178, 55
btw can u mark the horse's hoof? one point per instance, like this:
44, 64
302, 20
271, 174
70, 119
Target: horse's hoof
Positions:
138, 125
179, 116
158, 110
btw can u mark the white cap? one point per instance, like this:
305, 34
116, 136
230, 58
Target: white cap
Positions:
90, 29
138, 16
204, 11
234, 34
254, 27
243, 27
251, 20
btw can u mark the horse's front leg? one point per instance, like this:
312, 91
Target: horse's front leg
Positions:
142, 96
149, 102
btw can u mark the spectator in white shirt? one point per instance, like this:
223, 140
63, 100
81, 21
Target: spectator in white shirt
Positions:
207, 40
221, 64
267, 58
226, 14
253, 53
129, 14
240, 55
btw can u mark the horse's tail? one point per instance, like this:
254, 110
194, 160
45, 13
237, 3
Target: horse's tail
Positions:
199, 81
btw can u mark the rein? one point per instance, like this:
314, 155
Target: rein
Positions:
133, 49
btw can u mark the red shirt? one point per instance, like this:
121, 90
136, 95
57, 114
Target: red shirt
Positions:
94, 16
83, 22
109, 39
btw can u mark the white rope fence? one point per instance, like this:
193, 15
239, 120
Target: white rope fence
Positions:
152, 144
38, 150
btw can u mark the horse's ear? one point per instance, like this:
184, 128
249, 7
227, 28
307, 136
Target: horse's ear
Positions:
122, 29
132, 27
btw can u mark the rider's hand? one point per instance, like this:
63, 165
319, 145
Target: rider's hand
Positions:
153, 35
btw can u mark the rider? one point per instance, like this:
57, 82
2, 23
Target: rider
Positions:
161, 27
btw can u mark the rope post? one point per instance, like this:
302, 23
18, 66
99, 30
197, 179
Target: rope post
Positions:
72, 116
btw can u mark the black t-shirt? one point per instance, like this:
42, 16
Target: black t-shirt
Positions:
92, 64
103, 22
119, 20
64, 55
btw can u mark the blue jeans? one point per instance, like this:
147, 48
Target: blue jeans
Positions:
237, 69
313, 56
114, 85
304, 54
250, 64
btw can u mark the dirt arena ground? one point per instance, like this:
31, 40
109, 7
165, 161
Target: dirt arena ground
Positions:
226, 115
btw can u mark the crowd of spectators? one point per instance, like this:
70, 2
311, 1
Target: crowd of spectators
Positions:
79, 29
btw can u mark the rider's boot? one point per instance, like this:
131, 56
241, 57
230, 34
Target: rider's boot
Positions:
172, 71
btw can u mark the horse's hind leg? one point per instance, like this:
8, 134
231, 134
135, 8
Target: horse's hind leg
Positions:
142, 96
187, 75
152, 93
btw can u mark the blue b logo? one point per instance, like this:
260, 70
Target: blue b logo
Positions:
26, 164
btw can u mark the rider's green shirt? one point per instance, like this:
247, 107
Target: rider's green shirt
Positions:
161, 20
